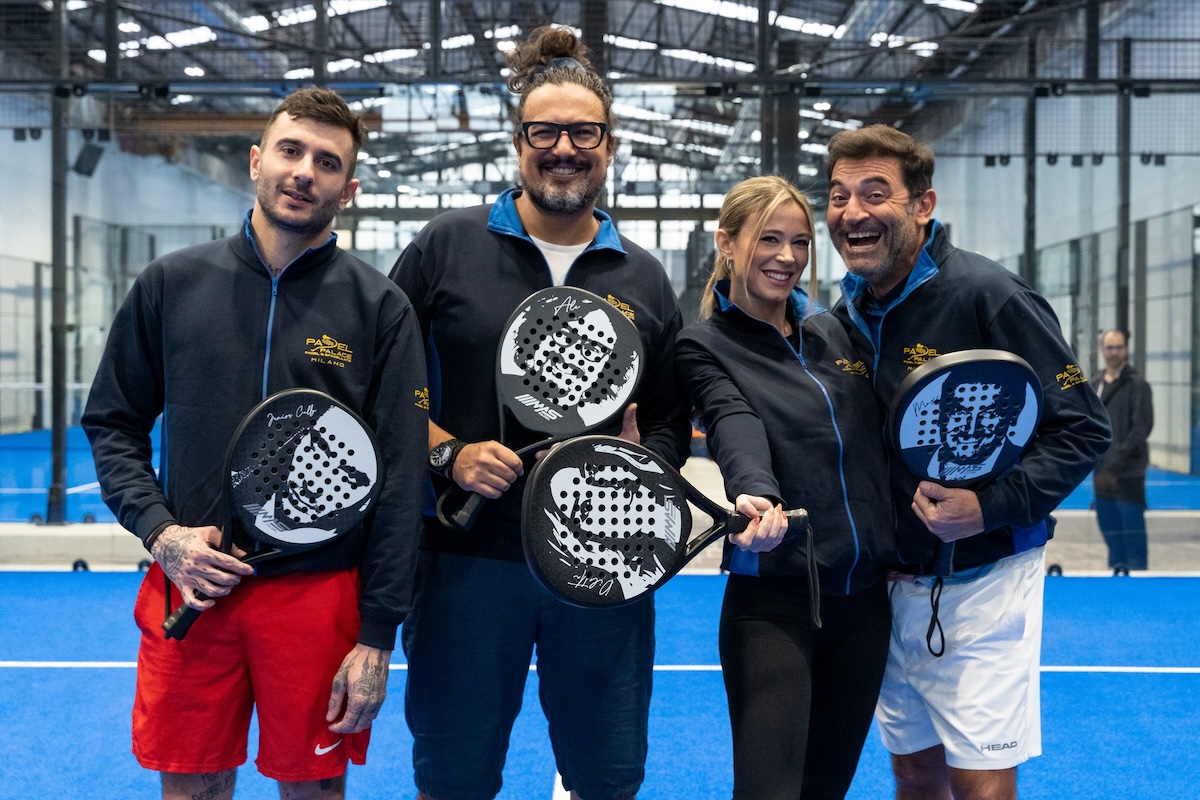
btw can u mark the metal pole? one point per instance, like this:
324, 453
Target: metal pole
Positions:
320, 51
56, 499
1029, 264
1124, 121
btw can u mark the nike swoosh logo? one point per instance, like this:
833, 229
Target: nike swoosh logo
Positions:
323, 750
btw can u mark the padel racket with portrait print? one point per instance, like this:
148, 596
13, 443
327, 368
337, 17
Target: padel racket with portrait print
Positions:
605, 522
567, 363
301, 471
963, 419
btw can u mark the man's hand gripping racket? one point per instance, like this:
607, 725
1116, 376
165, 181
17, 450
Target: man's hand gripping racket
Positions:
301, 471
605, 521
568, 362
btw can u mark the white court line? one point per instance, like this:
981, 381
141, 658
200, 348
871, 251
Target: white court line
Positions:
559, 792
80, 489
657, 667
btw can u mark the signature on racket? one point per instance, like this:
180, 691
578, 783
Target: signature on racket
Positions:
610, 521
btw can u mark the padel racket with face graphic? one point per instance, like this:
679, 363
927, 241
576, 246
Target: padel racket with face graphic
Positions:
605, 522
301, 471
963, 419
567, 363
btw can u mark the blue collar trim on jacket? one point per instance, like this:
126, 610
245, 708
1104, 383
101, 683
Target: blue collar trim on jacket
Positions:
248, 230
802, 306
503, 218
853, 286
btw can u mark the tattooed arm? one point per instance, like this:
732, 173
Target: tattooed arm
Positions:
192, 561
361, 685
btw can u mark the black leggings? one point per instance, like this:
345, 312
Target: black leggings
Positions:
800, 700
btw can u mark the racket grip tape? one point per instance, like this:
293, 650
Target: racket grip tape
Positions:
180, 622
797, 520
943, 565
464, 518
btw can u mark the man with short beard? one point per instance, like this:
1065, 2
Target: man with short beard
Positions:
478, 613
204, 335
959, 713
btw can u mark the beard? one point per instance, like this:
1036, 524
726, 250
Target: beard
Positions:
319, 218
559, 199
904, 240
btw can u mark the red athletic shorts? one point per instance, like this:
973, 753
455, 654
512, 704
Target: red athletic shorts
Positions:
272, 643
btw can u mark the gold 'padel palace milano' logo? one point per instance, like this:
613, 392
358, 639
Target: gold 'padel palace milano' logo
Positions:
328, 350
918, 354
853, 367
621, 306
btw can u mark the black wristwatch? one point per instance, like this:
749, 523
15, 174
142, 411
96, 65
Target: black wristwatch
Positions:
441, 457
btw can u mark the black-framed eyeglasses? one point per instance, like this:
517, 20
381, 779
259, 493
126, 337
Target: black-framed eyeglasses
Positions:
545, 135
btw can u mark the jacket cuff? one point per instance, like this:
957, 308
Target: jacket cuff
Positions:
377, 632
152, 523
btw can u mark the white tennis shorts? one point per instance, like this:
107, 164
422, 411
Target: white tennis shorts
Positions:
980, 699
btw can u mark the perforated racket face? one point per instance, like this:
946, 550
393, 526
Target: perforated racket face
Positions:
568, 361
303, 470
604, 521
965, 418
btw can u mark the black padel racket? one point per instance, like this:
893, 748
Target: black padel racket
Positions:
605, 522
568, 362
301, 471
963, 419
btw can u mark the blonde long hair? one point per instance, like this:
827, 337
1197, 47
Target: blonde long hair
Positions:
746, 208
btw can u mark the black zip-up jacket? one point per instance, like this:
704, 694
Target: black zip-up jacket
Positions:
954, 300
466, 271
204, 335
1121, 473
801, 427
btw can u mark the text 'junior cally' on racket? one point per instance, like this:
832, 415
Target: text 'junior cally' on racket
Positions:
605, 522
301, 471
963, 419
568, 362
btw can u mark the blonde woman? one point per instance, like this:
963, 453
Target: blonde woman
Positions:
793, 423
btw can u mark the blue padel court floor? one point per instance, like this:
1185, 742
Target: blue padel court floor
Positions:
25, 476
1120, 698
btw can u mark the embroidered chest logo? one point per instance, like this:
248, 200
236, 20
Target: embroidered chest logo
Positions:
853, 367
1072, 375
918, 354
623, 307
328, 350
421, 398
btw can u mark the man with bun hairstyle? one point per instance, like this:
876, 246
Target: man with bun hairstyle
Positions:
478, 615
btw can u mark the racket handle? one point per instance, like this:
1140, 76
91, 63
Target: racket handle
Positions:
179, 623
943, 565
464, 517
797, 520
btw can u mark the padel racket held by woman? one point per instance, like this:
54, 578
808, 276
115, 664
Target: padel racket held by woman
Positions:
605, 522
568, 363
963, 419
301, 471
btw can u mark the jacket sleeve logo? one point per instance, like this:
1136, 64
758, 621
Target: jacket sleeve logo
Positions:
1072, 375
918, 354
328, 350
421, 398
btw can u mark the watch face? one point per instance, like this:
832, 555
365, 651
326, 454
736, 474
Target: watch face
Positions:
439, 455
